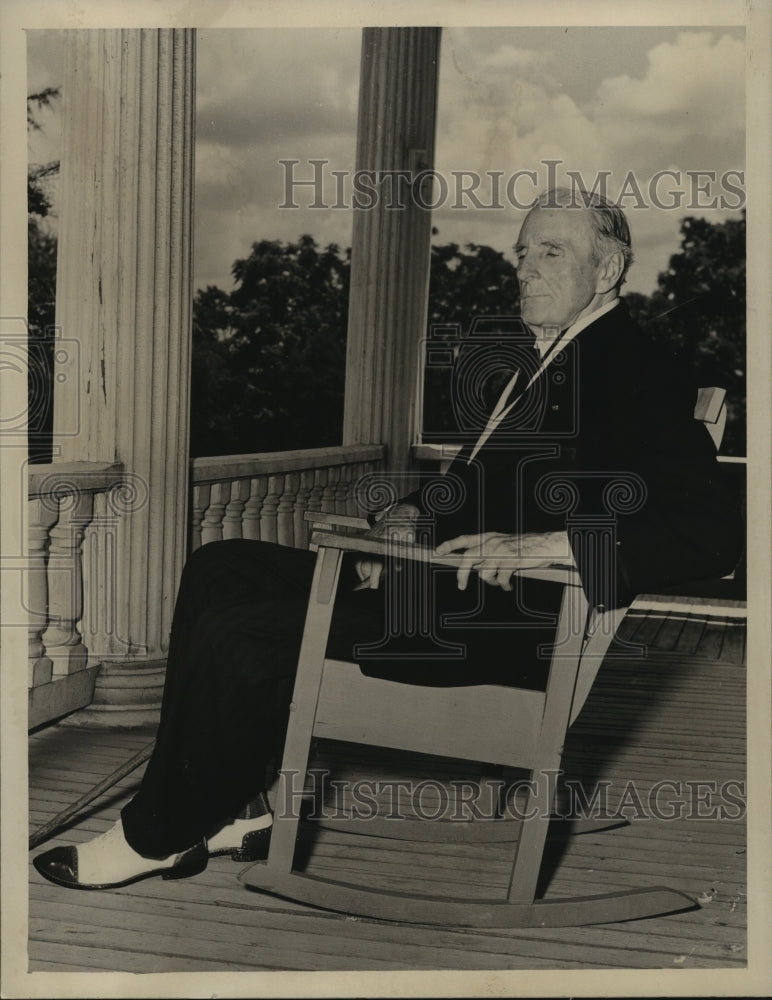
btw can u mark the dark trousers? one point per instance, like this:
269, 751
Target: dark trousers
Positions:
233, 653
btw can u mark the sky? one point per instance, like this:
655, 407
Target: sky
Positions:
632, 102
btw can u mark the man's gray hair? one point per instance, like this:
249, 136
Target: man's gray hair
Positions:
610, 228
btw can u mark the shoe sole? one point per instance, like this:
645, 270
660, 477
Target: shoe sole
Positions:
254, 847
186, 868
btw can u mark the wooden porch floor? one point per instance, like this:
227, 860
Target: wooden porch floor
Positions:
678, 716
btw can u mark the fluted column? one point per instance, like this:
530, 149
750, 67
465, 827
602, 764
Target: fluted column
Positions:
390, 247
124, 294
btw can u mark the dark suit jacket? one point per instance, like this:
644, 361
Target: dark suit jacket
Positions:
605, 445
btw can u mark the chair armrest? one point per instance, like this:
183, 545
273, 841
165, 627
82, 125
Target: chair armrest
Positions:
339, 520
567, 575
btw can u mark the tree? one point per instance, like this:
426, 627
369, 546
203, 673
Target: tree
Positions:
269, 357
466, 284
470, 282
41, 292
698, 310
38, 198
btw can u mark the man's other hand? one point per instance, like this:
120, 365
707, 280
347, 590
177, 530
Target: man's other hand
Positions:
495, 556
396, 523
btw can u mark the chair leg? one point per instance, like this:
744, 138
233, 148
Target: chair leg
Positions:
529, 849
305, 698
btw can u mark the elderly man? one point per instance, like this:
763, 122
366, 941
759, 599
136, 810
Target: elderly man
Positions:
592, 401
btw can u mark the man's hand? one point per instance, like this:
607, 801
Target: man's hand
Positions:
396, 523
496, 556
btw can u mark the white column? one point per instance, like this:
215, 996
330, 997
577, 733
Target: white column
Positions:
124, 295
390, 248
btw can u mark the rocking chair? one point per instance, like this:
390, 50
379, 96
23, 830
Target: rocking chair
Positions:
496, 724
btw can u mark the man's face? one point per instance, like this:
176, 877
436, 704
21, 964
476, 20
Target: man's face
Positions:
557, 276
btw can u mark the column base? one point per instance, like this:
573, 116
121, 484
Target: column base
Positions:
127, 695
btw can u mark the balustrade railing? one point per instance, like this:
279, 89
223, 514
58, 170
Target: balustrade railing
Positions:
69, 562
266, 496
67, 507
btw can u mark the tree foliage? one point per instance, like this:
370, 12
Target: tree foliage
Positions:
698, 308
466, 284
38, 174
41, 291
269, 357
469, 282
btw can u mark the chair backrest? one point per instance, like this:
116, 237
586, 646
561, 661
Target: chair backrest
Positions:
710, 410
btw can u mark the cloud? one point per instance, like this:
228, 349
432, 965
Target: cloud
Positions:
696, 81
508, 109
276, 84
599, 99
266, 96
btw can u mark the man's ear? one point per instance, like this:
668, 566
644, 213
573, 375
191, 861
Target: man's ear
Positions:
610, 271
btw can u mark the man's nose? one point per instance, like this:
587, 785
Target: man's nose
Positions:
526, 266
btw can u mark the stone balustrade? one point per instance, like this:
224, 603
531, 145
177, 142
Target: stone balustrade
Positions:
68, 578
266, 496
71, 566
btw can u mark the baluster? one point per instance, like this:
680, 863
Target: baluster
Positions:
355, 473
356, 497
268, 526
232, 526
201, 497
342, 489
43, 513
328, 493
62, 639
257, 490
285, 514
302, 502
211, 526
100, 575
317, 490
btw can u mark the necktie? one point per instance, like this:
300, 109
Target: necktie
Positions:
519, 380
